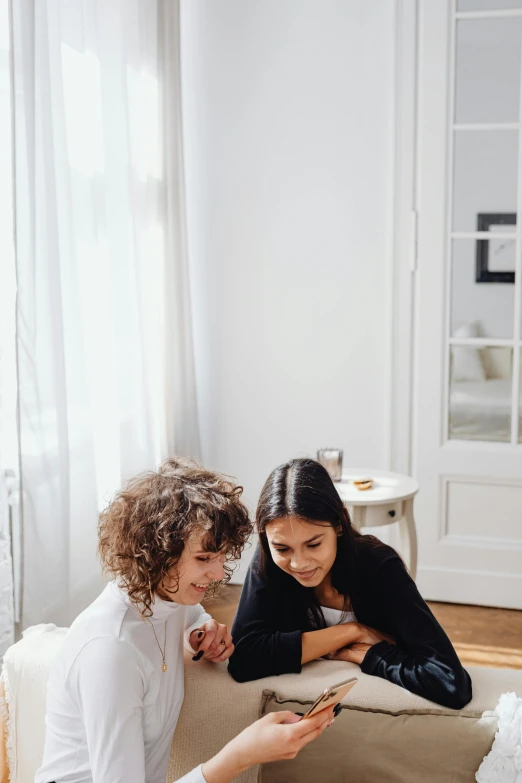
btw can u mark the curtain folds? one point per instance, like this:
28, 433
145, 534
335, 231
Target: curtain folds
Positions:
105, 365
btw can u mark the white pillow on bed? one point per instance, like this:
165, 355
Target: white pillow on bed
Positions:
467, 364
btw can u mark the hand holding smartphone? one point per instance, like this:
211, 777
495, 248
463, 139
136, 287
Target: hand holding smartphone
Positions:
329, 696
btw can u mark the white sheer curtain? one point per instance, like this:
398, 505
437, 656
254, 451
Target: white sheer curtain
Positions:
8, 450
103, 324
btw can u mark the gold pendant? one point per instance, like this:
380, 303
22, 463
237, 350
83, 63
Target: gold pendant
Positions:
164, 668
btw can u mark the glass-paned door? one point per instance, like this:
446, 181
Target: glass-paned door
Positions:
467, 433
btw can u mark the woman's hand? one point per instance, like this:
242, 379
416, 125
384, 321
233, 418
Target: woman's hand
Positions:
355, 653
279, 735
212, 641
371, 636
319, 644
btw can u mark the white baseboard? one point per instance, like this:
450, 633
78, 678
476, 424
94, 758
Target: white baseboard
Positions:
471, 587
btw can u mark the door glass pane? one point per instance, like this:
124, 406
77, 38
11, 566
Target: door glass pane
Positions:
482, 297
485, 176
487, 5
480, 393
487, 70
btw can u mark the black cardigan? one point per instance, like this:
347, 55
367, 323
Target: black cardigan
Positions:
272, 615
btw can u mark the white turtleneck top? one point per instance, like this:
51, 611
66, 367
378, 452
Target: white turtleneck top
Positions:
111, 711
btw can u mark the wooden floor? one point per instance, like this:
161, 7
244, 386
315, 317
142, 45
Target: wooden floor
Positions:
481, 636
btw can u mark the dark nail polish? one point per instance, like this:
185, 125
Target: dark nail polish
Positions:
200, 634
300, 714
337, 710
198, 655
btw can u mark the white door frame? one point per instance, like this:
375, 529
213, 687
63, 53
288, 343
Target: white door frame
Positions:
415, 133
404, 236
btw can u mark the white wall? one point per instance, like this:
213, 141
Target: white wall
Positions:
288, 131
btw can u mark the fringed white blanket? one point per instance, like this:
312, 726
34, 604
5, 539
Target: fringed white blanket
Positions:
7, 734
503, 764
22, 704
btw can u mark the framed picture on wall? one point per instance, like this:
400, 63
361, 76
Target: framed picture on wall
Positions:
496, 257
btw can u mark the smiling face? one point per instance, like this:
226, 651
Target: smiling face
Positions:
193, 573
304, 549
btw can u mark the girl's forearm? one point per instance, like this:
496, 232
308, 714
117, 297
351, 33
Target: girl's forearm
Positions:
315, 644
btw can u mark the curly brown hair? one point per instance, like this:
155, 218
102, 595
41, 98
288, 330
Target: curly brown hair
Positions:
142, 532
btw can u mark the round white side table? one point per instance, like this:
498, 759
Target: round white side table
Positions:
389, 500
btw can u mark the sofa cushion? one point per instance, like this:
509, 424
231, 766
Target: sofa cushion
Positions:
386, 734
376, 746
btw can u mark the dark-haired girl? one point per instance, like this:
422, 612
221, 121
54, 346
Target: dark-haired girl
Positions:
318, 588
116, 686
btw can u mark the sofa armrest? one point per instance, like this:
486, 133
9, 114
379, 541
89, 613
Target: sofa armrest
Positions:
24, 677
215, 710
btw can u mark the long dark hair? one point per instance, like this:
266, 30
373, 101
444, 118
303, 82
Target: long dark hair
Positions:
303, 488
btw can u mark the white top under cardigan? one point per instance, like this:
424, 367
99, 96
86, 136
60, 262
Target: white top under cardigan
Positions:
336, 616
111, 711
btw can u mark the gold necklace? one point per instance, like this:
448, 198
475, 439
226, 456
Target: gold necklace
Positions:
164, 667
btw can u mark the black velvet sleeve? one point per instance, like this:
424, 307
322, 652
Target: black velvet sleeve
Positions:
262, 645
423, 661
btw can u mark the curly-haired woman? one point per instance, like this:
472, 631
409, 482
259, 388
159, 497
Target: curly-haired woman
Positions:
116, 687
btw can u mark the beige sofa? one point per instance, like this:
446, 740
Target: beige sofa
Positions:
383, 735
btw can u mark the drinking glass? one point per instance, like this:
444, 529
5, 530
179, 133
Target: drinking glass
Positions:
332, 460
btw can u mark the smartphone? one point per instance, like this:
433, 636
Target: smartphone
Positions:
331, 695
